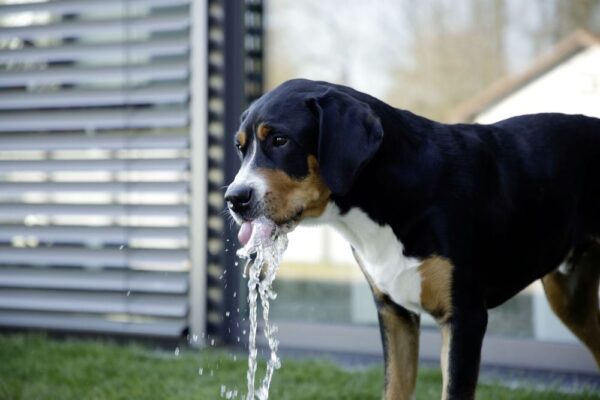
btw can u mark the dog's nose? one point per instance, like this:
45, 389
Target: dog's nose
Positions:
238, 197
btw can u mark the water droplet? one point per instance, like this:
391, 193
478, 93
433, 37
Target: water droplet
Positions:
128, 293
223, 390
200, 371
236, 263
176, 351
122, 246
238, 338
227, 313
235, 295
212, 342
234, 358
243, 332
212, 373
195, 338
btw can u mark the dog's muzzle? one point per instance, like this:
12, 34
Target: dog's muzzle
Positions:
239, 199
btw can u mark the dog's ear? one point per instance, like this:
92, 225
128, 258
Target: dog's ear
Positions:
244, 115
349, 136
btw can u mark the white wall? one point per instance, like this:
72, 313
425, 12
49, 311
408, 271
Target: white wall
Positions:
573, 87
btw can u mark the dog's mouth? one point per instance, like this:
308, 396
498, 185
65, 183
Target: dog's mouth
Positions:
257, 229
261, 228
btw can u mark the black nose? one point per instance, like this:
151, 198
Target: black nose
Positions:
238, 197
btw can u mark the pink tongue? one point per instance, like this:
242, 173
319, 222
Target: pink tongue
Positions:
245, 233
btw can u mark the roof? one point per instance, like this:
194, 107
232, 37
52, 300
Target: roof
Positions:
574, 43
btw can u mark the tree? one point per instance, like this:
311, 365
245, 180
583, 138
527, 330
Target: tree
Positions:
455, 52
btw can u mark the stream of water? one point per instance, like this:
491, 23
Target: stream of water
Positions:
263, 252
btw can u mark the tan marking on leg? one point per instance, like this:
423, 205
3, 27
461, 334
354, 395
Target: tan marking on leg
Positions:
402, 336
401, 344
444, 355
285, 196
263, 131
436, 287
574, 299
241, 138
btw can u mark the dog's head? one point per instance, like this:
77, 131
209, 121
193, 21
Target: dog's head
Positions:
300, 144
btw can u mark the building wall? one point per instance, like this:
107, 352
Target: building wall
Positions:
573, 87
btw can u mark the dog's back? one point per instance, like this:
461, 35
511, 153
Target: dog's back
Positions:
529, 187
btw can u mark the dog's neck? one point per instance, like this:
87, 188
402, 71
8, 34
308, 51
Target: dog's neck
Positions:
413, 164
365, 235
380, 253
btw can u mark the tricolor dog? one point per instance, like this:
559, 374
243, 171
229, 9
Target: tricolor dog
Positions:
449, 220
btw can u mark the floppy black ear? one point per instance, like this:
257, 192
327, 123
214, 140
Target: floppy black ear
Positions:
349, 136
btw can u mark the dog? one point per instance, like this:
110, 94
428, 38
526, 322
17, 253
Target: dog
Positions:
449, 220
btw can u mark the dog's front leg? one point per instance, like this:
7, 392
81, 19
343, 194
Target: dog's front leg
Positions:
462, 337
400, 338
399, 330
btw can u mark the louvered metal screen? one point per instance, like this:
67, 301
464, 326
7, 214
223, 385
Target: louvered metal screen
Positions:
94, 165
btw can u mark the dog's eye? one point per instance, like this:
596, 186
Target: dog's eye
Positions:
238, 146
279, 141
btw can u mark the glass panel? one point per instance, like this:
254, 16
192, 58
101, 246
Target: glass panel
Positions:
320, 281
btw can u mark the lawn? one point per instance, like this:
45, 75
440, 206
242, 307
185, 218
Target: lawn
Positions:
35, 367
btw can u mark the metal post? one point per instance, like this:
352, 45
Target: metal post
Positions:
235, 102
199, 166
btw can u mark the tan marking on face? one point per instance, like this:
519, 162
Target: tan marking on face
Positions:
263, 131
241, 138
402, 354
285, 196
436, 287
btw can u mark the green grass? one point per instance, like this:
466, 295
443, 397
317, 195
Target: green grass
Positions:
35, 367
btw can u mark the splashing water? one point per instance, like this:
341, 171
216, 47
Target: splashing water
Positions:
263, 250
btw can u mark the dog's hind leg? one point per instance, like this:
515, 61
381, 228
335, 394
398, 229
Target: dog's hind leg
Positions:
573, 296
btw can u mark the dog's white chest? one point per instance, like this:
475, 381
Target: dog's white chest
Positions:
381, 255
